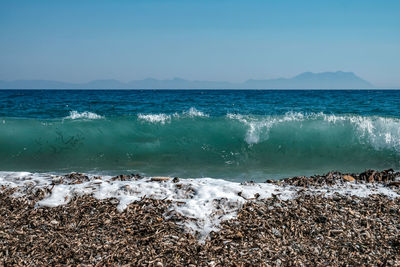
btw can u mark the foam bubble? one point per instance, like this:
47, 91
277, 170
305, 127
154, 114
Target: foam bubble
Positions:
155, 118
73, 115
165, 118
193, 112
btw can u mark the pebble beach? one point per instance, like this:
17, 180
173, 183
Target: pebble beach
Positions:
332, 219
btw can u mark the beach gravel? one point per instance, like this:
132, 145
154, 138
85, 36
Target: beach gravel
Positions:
311, 229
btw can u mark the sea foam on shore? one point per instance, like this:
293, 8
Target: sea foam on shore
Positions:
205, 202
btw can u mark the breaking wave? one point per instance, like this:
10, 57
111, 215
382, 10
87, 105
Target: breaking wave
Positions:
194, 144
380, 132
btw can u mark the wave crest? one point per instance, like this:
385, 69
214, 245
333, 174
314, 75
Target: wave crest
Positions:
155, 118
166, 118
380, 132
73, 115
193, 112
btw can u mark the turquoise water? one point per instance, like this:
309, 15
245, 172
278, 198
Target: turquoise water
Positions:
233, 134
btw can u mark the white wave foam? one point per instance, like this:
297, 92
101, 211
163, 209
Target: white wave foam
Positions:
257, 127
165, 118
205, 200
73, 115
380, 132
155, 118
193, 112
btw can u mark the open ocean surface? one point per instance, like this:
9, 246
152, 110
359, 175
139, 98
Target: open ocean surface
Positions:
232, 134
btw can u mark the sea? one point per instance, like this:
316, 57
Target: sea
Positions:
236, 135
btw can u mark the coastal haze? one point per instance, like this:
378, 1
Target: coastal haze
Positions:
232, 44
307, 80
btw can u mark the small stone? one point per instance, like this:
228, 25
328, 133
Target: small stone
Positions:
349, 178
394, 184
371, 178
239, 235
114, 201
276, 232
321, 219
160, 179
179, 186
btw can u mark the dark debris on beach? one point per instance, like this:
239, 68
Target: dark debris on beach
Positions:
387, 177
308, 230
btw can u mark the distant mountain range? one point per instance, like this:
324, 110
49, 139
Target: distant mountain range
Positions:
306, 80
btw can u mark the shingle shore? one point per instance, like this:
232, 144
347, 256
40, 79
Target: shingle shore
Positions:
308, 230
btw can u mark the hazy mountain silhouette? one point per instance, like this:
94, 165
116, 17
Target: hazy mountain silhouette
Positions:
309, 80
306, 80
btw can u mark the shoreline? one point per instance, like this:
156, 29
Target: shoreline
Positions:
319, 224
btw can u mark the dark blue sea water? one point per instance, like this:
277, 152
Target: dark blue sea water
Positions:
231, 134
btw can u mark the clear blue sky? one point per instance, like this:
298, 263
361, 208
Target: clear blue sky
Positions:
82, 40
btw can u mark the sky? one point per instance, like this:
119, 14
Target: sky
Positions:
216, 40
